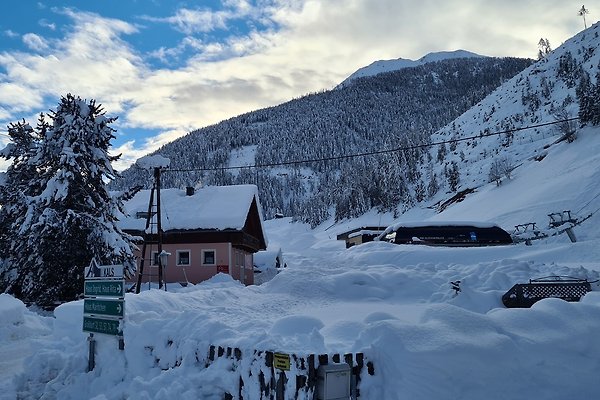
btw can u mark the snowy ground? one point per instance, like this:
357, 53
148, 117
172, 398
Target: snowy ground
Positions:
394, 303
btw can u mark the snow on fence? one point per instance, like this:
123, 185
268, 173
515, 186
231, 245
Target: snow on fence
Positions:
276, 376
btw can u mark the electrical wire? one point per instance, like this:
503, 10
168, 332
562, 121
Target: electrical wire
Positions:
588, 203
369, 153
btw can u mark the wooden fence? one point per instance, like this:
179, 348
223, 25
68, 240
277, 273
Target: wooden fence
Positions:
267, 375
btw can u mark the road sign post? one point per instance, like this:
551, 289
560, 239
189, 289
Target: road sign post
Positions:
103, 304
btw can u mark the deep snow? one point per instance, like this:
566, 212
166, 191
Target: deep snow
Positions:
394, 303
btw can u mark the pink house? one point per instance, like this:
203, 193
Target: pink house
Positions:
206, 231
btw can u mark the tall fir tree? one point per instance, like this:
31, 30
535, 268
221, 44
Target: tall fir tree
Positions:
72, 217
18, 182
588, 96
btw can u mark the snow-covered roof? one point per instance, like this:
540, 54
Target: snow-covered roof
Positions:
431, 224
211, 207
268, 258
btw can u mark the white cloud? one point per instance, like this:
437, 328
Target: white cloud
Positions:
4, 114
195, 21
202, 20
130, 151
11, 34
311, 45
172, 54
91, 61
19, 98
46, 24
35, 42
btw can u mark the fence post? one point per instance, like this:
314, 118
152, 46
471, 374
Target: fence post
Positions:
349, 359
360, 362
312, 373
269, 364
92, 353
280, 388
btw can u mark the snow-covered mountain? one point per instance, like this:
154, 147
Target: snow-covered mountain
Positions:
386, 111
520, 111
382, 66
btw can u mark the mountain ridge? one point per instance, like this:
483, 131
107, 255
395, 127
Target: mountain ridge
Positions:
383, 66
401, 108
546, 92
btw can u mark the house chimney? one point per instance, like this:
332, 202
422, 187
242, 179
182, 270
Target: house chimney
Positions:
189, 191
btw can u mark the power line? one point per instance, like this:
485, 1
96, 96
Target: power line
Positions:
369, 153
588, 203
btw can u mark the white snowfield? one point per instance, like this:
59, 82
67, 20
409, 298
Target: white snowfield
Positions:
392, 302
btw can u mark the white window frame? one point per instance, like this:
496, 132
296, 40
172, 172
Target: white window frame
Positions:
214, 257
189, 257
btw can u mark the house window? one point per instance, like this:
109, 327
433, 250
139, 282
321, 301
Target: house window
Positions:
183, 257
154, 259
208, 257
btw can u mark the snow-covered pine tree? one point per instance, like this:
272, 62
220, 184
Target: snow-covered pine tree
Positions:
453, 176
17, 184
73, 217
585, 99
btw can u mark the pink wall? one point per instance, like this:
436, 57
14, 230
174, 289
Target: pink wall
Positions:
196, 271
242, 266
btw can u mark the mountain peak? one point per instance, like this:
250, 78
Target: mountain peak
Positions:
446, 55
381, 66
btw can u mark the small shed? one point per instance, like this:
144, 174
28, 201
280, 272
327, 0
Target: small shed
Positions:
361, 235
465, 234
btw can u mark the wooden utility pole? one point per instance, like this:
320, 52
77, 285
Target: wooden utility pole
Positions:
158, 226
150, 237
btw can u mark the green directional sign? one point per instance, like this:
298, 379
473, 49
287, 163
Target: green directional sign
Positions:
101, 325
104, 288
112, 307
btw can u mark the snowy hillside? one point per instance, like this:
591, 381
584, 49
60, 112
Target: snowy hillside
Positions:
543, 93
382, 66
386, 111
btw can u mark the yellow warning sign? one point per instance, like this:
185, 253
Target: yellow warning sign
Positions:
281, 361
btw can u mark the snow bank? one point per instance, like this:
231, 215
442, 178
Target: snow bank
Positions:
12, 311
393, 303
19, 328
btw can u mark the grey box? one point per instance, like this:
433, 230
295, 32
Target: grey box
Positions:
333, 382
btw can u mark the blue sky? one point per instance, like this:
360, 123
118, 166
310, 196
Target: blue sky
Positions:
168, 67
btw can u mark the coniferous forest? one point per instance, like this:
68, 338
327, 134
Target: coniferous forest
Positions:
388, 111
